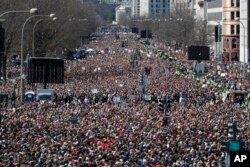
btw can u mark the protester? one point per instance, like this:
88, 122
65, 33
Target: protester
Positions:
101, 118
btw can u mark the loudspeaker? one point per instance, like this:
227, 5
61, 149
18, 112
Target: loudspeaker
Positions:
143, 33
146, 34
45, 70
150, 35
204, 50
135, 30
198, 53
193, 51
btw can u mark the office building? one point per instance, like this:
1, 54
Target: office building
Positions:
135, 8
185, 4
154, 8
231, 30
244, 30
150, 8
122, 13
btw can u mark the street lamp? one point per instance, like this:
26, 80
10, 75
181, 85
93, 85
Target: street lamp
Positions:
244, 42
51, 15
31, 11
33, 40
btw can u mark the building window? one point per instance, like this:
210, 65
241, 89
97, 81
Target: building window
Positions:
232, 3
164, 6
157, 0
157, 6
163, 11
157, 11
232, 29
238, 29
163, 1
227, 44
152, 6
234, 43
232, 16
238, 14
152, 1
238, 3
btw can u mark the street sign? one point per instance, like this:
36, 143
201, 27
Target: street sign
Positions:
234, 145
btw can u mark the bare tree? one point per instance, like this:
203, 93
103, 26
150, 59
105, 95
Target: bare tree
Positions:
49, 36
201, 33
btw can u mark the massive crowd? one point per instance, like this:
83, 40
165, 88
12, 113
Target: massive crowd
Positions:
101, 118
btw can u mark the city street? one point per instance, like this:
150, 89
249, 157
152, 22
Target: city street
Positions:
114, 124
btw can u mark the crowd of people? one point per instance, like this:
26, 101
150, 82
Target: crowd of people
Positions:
102, 118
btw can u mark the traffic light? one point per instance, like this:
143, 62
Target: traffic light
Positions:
217, 33
140, 79
147, 70
166, 121
161, 105
168, 105
232, 130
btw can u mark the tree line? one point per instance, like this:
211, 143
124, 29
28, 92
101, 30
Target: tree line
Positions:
179, 26
75, 18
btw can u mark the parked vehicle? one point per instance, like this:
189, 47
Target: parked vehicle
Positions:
79, 54
46, 94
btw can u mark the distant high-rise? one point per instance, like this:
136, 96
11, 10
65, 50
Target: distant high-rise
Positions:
150, 8
135, 8
244, 30
182, 4
232, 16
122, 13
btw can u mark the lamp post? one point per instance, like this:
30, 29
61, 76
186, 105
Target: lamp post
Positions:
244, 43
32, 11
21, 74
33, 40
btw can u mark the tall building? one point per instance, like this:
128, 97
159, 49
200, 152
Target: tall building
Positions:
244, 30
231, 30
232, 16
135, 8
182, 4
150, 8
122, 13
154, 8
200, 9
213, 14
